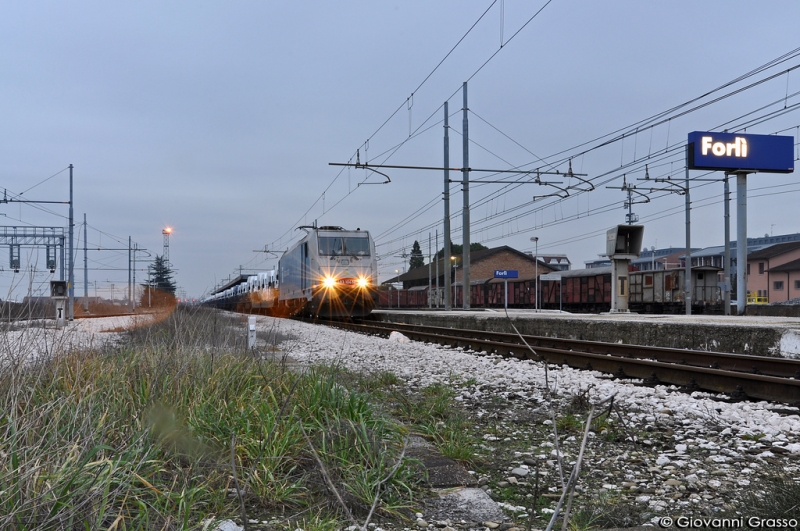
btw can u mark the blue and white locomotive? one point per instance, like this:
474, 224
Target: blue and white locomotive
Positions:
330, 272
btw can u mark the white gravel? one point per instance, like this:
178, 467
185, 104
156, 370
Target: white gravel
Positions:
423, 364
27, 341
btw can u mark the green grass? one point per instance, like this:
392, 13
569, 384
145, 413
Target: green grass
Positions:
569, 423
145, 435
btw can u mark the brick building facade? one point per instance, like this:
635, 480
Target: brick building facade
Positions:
482, 267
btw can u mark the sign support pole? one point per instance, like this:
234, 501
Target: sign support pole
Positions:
741, 242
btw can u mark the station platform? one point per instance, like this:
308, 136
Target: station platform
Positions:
755, 335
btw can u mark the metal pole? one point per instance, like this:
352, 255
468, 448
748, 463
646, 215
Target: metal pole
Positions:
630, 207
71, 270
536, 262
727, 265
688, 283
430, 302
465, 293
448, 294
133, 282
741, 242
130, 283
506, 299
437, 268
455, 280
85, 266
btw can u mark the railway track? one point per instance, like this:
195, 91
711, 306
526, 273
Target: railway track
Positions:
740, 376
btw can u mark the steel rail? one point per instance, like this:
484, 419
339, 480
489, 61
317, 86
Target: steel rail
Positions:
624, 361
781, 367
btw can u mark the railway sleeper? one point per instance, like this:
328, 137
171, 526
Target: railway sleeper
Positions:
652, 380
692, 386
739, 395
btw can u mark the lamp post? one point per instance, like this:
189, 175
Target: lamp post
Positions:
166, 232
535, 240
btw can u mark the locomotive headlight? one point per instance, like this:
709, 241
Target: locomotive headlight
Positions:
329, 282
363, 282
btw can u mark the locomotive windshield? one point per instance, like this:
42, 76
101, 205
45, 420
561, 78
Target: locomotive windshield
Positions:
348, 245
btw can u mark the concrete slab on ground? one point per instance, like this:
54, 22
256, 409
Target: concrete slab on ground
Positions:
442, 472
458, 498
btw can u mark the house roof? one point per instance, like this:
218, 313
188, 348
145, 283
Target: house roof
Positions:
558, 259
591, 271
794, 265
774, 250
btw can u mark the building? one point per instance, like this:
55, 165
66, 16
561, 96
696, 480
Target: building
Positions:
714, 257
557, 262
774, 272
482, 267
652, 259
600, 262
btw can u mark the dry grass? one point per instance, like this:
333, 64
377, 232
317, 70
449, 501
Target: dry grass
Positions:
159, 431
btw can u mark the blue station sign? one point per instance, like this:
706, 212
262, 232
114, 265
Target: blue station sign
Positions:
506, 273
732, 152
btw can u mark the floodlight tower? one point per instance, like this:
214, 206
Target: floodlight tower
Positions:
166, 232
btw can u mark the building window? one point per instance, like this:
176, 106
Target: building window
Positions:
761, 268
748, 269
777, 285
797, 284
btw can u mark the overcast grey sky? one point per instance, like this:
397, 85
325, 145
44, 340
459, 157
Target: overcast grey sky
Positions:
220, 118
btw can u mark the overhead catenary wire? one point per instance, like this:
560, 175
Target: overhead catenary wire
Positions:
664, 117
678, 146
405, 104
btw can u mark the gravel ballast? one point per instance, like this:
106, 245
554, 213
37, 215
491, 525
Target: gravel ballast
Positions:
695, 454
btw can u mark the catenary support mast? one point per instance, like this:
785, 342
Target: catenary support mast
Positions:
727, 265
465, 223
448, 286
85, 266
71, 256
688, 295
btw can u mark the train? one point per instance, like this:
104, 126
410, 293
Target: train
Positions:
330, 272
578, 291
